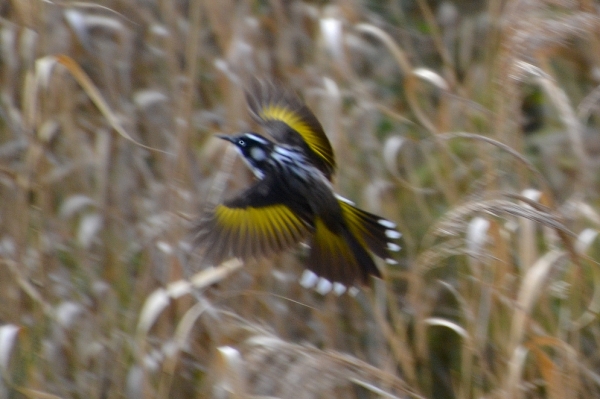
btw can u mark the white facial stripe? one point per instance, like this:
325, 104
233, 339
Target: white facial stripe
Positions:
257, 138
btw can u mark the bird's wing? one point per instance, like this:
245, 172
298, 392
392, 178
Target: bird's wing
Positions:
289, 121
256, 223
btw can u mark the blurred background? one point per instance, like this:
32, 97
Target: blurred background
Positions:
472, 124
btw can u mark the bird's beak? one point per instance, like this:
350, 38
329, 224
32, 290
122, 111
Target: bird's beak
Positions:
225, 137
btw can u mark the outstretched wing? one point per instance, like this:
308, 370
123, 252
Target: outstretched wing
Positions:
289, 121
256, 223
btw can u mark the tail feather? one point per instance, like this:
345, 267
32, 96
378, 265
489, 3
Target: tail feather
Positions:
376, 233
367, 265
340, 257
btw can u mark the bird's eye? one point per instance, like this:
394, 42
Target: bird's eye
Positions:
242, 142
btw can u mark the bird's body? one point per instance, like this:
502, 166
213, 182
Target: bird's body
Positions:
293, 201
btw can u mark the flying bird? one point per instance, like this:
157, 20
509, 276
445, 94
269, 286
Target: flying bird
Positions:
292, 200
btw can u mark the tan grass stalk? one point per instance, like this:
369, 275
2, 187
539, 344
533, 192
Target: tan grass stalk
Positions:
410, 83
568, 117
9, 337
230, 368
158, 300
531, 288
43, 69
37, 394
396, 337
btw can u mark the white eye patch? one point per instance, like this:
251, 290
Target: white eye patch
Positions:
258, 154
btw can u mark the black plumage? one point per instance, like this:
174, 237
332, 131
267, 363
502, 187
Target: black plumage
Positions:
292, 200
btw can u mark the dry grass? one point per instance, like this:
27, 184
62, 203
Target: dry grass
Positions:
474, 129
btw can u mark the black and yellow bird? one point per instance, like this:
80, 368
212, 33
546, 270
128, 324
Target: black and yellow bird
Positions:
292, 200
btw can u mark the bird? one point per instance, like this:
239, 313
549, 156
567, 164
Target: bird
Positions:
292, 200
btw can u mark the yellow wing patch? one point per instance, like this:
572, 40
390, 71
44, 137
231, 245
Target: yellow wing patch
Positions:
331, 256
249, 232
314, 140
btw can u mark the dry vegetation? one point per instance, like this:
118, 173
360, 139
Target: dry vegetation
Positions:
474, 126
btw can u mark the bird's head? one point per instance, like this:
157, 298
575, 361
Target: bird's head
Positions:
254, 148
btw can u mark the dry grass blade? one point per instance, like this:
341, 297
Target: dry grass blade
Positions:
394, 148
27, 287
283, 369
439, 322
92, 91
517, 156
332, 34
387, 40
8, 339
158, 300
399, 347
516, 364
531, 288
436, 255
37, 394
380, 392
181, 339
584, 244
411, 81
232, 373
586, 107
477, 236
454, 222
9, 334
82, 5
558, 372
567, 115
432, 77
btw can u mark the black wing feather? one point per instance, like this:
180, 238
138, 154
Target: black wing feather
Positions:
258, 222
